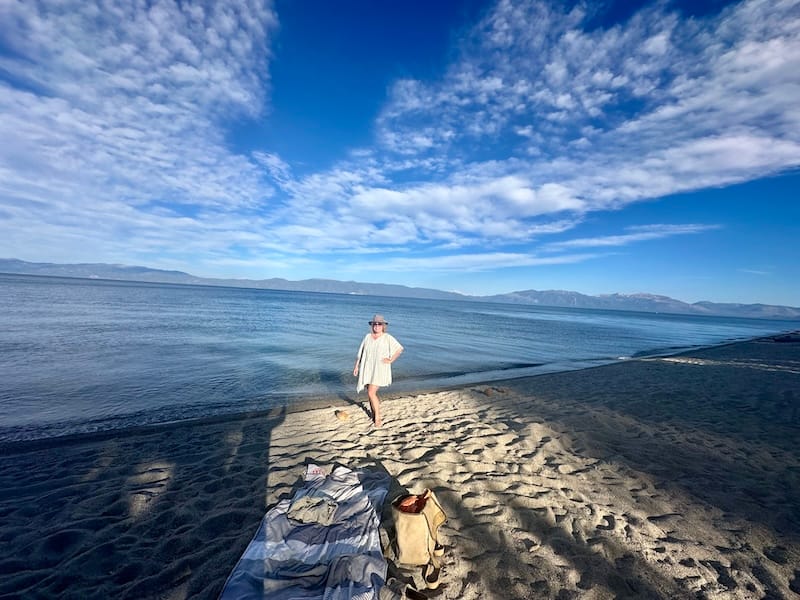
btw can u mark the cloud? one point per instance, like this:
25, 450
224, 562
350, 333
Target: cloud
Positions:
576, 121
759, 272
711, 106
690, 102
636, 234
115, 128
473, 262
131, 100
279, 169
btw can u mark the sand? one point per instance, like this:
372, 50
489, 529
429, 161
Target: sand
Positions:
660, 478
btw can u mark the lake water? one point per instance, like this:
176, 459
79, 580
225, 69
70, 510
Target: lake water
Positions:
86, 355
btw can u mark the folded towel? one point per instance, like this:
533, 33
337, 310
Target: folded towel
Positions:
313, 509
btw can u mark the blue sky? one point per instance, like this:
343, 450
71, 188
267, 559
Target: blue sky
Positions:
475, 146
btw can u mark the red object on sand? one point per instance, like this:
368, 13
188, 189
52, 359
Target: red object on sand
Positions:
411, 504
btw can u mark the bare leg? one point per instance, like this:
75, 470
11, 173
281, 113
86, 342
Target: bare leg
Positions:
375, 404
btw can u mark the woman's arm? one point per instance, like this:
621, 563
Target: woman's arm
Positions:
398, 350
393, 357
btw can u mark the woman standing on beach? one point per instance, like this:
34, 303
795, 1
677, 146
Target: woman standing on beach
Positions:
373, 368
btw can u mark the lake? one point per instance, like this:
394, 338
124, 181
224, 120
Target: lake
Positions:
80, 355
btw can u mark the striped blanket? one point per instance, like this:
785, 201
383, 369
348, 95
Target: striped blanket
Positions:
323, 543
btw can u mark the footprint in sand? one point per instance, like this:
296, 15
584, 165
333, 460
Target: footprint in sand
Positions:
794, 584
413, 454
664, 517
609, 522
777, 554
151, 480
723, 574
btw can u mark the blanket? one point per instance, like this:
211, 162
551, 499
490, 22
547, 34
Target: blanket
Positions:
323, 543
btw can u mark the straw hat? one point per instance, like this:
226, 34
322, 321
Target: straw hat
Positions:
378, 319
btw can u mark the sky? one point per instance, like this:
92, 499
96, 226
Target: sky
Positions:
472, 146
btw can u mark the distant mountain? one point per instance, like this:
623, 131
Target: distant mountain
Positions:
646, 303
556, 298
130, 273
635, 302
754, 311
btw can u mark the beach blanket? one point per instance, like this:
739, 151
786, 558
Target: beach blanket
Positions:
323, 543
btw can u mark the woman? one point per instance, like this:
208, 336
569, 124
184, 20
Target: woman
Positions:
376, 354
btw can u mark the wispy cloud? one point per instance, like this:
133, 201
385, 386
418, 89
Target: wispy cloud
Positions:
115, 134
634, 235
485, 261
759, 272
112, 127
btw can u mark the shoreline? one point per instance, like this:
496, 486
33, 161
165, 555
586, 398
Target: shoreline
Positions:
649, 478
326, 401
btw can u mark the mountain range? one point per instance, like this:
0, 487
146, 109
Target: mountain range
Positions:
556, 298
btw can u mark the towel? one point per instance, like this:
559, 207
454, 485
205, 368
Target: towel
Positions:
336, 555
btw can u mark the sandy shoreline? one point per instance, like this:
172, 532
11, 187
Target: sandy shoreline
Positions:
675, 477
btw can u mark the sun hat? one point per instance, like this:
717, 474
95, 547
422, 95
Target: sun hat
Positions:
378, 319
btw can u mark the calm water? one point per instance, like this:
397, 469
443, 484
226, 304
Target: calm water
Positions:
82, 355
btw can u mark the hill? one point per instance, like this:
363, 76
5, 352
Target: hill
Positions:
555, 298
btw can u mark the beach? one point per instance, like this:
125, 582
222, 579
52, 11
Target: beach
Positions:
672, 477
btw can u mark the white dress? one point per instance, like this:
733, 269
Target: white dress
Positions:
371, 368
